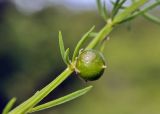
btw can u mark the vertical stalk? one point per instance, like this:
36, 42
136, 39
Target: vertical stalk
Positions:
101, 35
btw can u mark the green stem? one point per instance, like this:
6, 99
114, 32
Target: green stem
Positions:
38, 96
21, 109
61, 100
101, 35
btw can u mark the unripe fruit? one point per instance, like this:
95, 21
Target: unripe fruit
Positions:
90, 65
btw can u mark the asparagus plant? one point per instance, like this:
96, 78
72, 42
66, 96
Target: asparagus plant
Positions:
87, 61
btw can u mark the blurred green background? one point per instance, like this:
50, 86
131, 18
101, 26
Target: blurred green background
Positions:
30, 59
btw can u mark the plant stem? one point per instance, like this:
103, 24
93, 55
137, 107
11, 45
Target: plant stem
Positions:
39, 95
101, 35
21, 109
109, 26
61, 100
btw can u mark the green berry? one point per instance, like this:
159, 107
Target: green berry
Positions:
90, 65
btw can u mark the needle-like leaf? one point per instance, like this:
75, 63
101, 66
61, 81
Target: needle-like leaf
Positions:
122, 7
114, 4
152, 18
93, 34
66, 56
61, 100
127, 12
140, 12
117, 6
99, 5
103, 44
102, 10
105, 11
9, 106
61, 45
38, 96
80, 43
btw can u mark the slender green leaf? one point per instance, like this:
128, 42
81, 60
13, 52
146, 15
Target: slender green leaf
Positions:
80, 43
93, 34
115, 4
140, 12
23, 105
152, 18
117, 7
38, 96
100, 36
61, 45
61, 100
122, 7
104, 44
9, 106
102, 10
99, 5
66, 56
128, 11
105, 11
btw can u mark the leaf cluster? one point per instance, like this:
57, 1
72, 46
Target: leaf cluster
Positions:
121, 13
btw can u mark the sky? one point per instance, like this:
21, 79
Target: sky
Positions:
32, 6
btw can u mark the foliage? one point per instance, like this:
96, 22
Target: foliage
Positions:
112, 20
